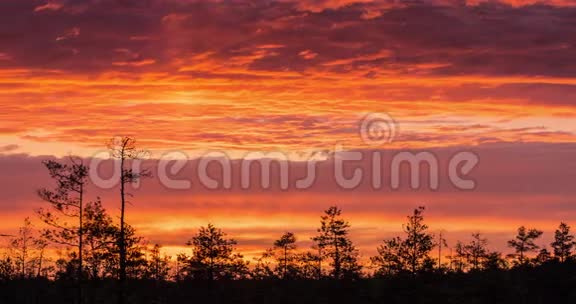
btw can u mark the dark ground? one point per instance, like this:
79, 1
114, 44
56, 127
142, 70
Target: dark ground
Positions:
554, 283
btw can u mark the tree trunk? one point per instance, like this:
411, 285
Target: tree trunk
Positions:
285, 261
80, 247
122, 232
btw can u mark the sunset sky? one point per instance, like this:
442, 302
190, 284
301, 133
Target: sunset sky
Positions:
497, 78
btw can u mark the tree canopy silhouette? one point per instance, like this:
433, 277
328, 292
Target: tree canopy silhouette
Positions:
563, 242
213, 257
335, 245
523, 244
410, 254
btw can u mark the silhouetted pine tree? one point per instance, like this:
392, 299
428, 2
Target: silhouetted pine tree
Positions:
100, 235
563, 243
158, 265
284, 252
523, 244
472, 255
66, 202
335, 245
7, 269
214, 257
125, 150
28, 251
411, 254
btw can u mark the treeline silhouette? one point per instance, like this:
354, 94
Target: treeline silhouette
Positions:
104, 261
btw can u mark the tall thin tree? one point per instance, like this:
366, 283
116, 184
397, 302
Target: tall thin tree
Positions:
125, 150
22, 244
67, 200
286, 245
418, 243
441, 242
